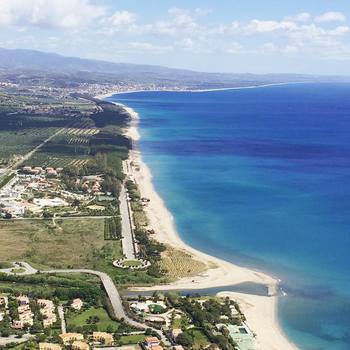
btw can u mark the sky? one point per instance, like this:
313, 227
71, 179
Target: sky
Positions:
239, 36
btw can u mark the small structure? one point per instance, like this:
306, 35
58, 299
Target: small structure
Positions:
175, 333
103, 337
49, 346
77, 304
4, 300
152, 343
23, 300
80, 345
157, 347
68, 338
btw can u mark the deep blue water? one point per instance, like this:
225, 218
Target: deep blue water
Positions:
261, 177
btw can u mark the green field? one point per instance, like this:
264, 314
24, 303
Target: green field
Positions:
131, 339
200, 340
77, 243
103, 324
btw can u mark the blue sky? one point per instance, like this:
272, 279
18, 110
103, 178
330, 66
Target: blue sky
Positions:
258, 36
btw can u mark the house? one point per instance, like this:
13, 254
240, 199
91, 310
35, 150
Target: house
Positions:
68, 338
45, 303
26, 317
49, 320
27, 169
178, 347
77, 304
80, 345
103, 337
157, 347
4, 300
175, 333
23, 308
47, 310
23, 300
17, 324
49, 346
152, 342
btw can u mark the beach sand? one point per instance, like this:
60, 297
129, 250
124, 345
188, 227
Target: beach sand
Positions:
261, 312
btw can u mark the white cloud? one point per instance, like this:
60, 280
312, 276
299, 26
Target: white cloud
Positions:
234, 48
122, 18
146, 46
258, 26
49, 13
299, 17
340, 30
331, 17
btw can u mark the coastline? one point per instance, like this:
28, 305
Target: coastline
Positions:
117, 92
260, 311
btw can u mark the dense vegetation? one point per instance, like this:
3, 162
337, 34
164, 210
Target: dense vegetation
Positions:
205, 316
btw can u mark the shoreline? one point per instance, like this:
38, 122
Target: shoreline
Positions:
260, 311
117, 92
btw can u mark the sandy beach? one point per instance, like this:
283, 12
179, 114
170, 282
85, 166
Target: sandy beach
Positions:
261, 312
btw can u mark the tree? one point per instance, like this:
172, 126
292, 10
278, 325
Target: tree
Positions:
184, 339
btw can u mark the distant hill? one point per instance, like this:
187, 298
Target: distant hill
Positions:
19, 63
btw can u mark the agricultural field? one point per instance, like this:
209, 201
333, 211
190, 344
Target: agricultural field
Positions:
178, 264
15, 144
27, 120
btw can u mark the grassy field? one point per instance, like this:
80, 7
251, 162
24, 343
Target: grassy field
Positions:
131, 339
81, 319
75, 243
200, 341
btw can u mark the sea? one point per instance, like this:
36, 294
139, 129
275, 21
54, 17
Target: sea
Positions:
261, 177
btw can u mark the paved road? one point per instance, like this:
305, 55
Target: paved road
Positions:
63, 321
20, 265
128, 240
113, 296
13, 339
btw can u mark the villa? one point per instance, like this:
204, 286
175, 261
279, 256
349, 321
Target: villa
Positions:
103, 337
77, 304
4, 300
47, 310
153, 343
178, 347
23, 300
80, 345
49, 346
68, 338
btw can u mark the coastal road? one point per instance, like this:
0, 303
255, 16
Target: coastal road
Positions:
128, 238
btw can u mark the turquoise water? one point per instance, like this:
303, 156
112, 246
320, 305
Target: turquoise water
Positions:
260, 177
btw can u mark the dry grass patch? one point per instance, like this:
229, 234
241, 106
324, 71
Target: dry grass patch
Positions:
180, 264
